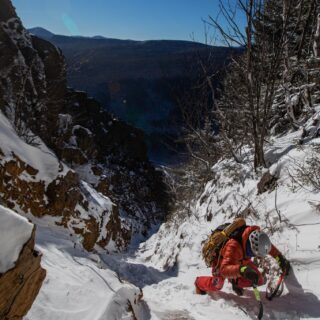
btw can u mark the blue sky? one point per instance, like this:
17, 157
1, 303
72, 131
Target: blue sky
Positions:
123, 19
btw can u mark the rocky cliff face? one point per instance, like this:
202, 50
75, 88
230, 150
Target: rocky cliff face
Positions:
20, 285
100, 154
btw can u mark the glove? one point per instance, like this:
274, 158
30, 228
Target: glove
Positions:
283, 263
250, 274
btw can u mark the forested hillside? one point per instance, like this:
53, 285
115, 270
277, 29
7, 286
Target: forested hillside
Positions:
138, 81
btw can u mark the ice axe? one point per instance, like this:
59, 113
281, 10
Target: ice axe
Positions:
258, 298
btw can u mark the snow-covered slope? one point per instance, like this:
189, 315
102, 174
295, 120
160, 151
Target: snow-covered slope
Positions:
78, 284
82, 286
234, 189
39, 157
96, 286
15, 231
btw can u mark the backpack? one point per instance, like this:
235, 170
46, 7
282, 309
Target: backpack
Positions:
218, 238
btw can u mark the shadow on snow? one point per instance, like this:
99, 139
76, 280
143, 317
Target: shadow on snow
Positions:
137, 274
295, 304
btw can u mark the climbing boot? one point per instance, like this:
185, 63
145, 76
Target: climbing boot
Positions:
236, 288
199, 291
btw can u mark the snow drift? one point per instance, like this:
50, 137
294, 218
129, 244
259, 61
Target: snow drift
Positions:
15, 231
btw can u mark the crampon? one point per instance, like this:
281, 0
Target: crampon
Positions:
275, 288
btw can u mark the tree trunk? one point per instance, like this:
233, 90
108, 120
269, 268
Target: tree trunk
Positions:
316, 44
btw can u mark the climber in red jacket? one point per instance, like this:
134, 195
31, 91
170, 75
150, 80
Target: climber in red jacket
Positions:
234, 262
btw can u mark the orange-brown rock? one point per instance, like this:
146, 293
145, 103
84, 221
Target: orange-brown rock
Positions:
267, 182
103, 187
63, 195
60, 198
90, 233
29, 195
20, 285
97, 171
116, 232
73, 156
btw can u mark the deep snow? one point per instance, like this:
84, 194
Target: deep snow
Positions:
40, 157
297, 236
74, 290
78, 284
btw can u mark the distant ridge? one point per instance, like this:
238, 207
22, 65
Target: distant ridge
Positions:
46, 34
98, 60
41, 32
98, 37
137, 80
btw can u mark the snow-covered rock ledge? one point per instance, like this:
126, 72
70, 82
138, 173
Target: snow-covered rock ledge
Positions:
21, 275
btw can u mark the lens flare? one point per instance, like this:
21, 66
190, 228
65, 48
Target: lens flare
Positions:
70, 24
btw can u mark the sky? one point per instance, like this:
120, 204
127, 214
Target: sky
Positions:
122, 19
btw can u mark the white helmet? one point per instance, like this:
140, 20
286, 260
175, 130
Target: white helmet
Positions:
260, 243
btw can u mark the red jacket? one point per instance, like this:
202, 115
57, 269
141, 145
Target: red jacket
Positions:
233, 255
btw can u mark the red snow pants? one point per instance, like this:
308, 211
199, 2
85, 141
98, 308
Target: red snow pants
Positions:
216, 282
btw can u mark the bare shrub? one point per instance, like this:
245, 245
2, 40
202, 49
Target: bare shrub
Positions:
306, 174
185, 183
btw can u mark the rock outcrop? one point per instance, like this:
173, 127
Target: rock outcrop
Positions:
61, 195
268, 182
20, 285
